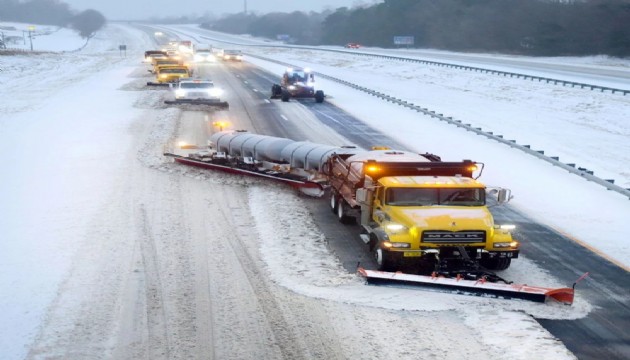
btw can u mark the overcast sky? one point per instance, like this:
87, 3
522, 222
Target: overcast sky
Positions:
144, 9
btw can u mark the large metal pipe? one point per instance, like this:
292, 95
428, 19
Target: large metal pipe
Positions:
298, 154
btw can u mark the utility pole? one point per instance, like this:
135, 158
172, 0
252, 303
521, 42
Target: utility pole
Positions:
30, 35
245, 7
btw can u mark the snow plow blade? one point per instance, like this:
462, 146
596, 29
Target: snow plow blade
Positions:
309, 188
470, 287
158, 84
208, 102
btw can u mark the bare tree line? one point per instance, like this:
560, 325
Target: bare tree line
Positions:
52, 12
533, 27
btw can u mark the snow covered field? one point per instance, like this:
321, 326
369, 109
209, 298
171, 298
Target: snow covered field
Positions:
72, 116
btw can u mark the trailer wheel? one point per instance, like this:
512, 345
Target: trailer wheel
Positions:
341, 212
333, 202
496, 263
319, 96
382, 262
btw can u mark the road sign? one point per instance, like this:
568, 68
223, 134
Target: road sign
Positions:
403, 40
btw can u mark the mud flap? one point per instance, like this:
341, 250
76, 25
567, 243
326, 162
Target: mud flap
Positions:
470, 287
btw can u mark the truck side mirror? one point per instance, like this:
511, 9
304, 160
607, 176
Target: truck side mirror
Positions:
504, 195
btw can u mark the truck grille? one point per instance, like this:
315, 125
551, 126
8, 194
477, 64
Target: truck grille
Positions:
454, 237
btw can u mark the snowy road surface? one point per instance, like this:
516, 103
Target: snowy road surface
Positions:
112, 251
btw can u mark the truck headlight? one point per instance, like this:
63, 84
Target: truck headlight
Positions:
501, 245
180, 92
292, 87
396, 245
396, 228
506, 227
163, 76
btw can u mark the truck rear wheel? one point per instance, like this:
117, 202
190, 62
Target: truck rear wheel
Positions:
496, 263
333, 202
342, 212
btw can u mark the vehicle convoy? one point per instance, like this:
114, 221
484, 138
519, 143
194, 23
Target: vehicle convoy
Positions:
297, 83
418, 214
197, 92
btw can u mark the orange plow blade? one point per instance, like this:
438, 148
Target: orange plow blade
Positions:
470, 287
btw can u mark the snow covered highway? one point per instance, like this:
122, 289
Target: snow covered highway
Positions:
111, 251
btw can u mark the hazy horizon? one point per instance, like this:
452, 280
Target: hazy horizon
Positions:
147, 9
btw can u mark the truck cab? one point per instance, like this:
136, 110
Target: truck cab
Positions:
417, 211
172, 74
445, 216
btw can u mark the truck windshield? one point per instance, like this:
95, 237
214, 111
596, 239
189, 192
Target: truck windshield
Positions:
435, 196
297, 76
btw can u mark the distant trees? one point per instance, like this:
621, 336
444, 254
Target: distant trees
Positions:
44, 12
87, 23
533, 27
52, 12
301, 27
536, 27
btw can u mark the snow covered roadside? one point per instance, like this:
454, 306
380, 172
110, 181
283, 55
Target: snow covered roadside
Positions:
59, 145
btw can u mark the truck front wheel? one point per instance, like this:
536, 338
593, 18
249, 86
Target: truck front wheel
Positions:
381, 258
496, 263
319, 96
285, 96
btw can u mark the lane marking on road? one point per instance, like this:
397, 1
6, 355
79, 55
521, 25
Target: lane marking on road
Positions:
593, 249
328, 116
267, 101
284, 117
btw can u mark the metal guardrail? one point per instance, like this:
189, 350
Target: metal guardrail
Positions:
554, 160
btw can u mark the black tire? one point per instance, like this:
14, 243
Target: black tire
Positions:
333, 202
276, 91
341, 211
496, 263
285, 96
319, 96
383, 263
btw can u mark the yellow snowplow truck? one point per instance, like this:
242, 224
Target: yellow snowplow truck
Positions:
170, 74
420, 214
